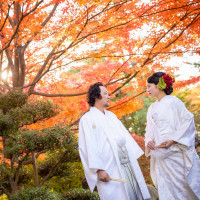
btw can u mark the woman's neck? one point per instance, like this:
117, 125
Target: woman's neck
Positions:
161, 95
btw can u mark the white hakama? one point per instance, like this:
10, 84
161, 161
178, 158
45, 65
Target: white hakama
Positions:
133, 189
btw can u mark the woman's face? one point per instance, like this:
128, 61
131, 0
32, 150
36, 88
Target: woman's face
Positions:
152, 90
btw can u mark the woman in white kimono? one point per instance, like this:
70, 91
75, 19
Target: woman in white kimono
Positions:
169, 140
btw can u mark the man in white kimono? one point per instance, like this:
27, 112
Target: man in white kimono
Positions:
108, 152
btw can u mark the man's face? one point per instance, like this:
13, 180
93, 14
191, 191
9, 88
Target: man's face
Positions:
152, 90
104, 101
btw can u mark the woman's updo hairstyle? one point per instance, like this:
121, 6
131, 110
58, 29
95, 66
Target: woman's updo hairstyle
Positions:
155, 79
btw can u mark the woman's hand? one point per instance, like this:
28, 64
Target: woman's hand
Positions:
103, 176
167, 144
151, 145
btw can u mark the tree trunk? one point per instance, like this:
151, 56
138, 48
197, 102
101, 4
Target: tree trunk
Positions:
35, 171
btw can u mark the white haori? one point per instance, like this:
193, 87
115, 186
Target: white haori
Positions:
98, 137
175, 171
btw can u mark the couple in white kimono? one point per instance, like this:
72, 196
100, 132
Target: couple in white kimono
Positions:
108, 152
169, 140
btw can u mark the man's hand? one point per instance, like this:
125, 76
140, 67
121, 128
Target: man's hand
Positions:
103, 176
151, 145
167, 144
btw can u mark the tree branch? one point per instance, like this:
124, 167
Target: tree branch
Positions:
127, 81
53, 169
169, 9
43, 23
192, 22
17, 173
37, 77
88, 19
35, 170
118, 70
18, 24
57, 95
127, 100
95, 33
30, 161
5, 18
150, 8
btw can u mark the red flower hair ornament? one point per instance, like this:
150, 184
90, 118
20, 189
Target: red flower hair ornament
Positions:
165, 81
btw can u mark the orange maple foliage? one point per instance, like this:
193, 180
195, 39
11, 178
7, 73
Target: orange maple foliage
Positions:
55, 49
181, 84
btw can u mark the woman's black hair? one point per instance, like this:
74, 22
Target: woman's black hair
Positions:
94, 92
155, 79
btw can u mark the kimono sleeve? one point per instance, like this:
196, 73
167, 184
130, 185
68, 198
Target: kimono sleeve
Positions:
184, 124
88, 143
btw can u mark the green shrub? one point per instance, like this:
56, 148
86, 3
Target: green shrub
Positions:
81, 194
67, 176
36, 194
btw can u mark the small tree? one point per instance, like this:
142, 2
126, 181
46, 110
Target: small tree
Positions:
22, 146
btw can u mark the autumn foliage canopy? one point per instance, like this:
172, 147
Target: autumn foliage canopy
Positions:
57, 48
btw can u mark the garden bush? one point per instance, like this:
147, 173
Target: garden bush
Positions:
81, 194
32, 193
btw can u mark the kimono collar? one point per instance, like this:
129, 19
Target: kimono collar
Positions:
94, 109
163, 99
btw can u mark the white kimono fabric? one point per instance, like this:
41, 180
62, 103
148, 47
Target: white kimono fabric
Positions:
98, 149
175, 171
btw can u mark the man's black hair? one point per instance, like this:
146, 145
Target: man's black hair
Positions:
94, 93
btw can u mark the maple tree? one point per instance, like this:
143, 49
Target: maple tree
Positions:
41, 41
